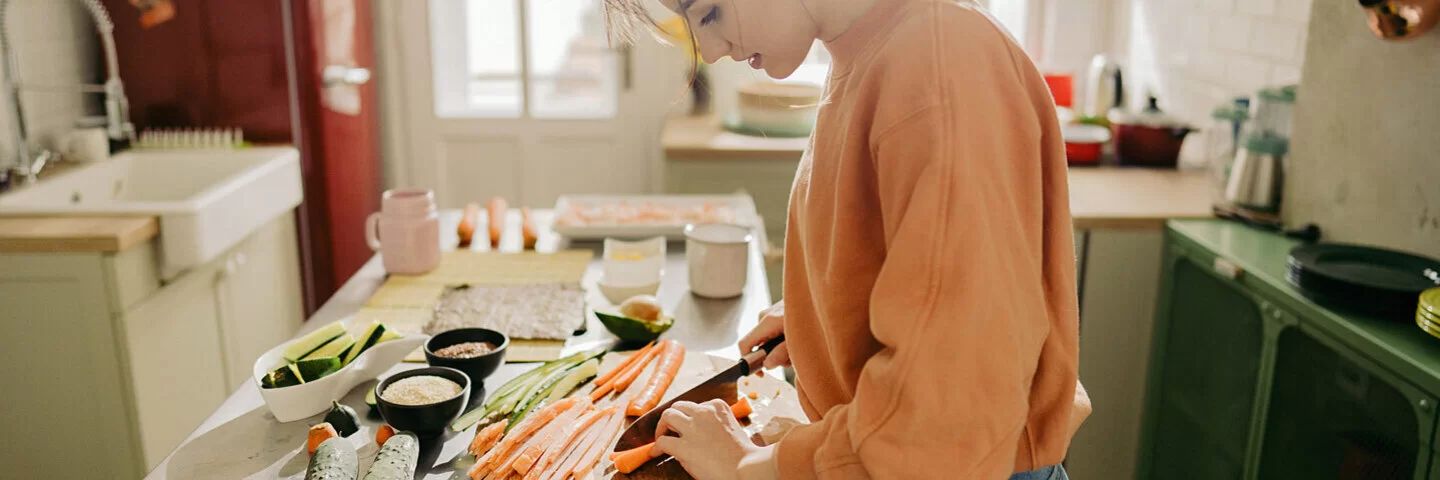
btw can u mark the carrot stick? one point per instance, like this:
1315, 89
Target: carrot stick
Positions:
568, 441
527, 229
497, 220
520, 433
624, 380
597, 450
486, 438
600, 393
527, 459
541, 437
660, 381
468, 221
623, 364
629, 460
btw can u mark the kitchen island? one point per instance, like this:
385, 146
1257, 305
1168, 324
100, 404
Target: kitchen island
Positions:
242, 439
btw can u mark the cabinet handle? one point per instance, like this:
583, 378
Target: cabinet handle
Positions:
1227, 268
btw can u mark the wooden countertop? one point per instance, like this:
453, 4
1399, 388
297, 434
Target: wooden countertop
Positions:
74, 234
687, 138
1131, 198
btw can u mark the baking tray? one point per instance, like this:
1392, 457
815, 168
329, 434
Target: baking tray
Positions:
741, 204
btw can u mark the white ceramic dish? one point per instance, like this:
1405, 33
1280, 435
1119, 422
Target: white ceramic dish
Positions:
617, 293
717, 255
740, 204
289, 404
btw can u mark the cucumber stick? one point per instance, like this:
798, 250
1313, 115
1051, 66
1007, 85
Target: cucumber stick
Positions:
560, 385
510, 395
334, 459
397, 458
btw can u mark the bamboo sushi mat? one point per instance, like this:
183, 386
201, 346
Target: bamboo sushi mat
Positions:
405, 303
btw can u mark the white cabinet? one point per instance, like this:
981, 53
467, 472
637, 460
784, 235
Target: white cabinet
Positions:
108, 361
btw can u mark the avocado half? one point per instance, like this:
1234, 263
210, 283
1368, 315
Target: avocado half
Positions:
635, 330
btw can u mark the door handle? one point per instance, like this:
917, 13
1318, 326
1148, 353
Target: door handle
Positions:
342, 75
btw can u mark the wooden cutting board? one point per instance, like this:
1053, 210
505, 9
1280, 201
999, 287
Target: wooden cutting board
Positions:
776, 405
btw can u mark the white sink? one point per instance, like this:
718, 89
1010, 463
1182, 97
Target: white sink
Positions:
206, 200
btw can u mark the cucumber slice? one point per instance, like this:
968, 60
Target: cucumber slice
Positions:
374, 334
560, 385
334, 348
316, 339
316, 368
284, 376
503, 401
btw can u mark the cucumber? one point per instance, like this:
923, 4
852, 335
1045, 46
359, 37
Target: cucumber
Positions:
285, 376
334, 348
560, 385
504, 400
335, 459
316, 339
397, 458
374, 334
370, 398
316, 368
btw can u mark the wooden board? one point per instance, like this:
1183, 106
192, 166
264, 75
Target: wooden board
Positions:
74, 234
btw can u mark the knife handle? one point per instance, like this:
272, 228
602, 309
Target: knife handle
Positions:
755, 360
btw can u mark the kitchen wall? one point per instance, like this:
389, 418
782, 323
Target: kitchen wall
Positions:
55, 44
1199, 54
1365, 158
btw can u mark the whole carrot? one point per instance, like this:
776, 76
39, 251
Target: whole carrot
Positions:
660, 381
527, 229
497, 220
624, 364
468, 221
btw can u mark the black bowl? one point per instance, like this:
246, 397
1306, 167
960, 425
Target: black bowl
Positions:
424, 420
478, 368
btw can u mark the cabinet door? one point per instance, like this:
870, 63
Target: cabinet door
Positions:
1209, 340
1334, 414
259, 291
176, 361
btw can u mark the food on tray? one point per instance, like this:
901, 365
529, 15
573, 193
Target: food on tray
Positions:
383, 433
526, 390
466, 350
323, 352
670, 361
580, 214
496, 211
343, 418
631, 460
468, 221
370, 398
334, 459
640, 320
527, 229
544, 311
319, 434
421, 390
397, 458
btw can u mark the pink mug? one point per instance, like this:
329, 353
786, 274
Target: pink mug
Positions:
406, 231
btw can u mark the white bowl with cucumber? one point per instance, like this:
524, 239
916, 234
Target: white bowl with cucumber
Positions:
300, 378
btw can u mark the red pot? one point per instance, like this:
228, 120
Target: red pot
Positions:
1084, 143
1149, 146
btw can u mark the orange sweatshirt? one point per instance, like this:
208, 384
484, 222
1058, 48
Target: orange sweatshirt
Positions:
929, 267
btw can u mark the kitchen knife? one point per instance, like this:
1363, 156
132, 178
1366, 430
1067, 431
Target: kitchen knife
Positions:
721, 386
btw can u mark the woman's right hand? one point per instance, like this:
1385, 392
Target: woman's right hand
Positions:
772, 324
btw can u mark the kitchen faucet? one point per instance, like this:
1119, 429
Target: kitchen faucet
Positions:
117, 107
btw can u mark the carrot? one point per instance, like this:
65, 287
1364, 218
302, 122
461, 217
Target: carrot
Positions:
527, 229
561, 469
527, 459
629, 460
486, 438
497, 220
539, 440
660, 381
741, 408
567, 440
468, 221
383, 433
601, 392
623, 364
624, 380
597, 449
319, 434
753, 395
521, 432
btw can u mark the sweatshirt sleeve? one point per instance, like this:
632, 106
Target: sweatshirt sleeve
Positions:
959, 305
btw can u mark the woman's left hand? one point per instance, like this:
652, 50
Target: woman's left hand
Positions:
711, 444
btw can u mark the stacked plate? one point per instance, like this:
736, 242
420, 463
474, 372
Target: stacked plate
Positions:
1427, 315
1360, 279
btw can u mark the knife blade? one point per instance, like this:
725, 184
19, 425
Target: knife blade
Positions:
721, 386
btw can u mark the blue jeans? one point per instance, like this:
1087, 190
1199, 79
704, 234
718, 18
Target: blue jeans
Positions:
1048, 473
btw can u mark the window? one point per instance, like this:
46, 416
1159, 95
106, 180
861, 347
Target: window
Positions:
522, 59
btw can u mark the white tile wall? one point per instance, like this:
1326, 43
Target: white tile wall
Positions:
1198, 54
56, 44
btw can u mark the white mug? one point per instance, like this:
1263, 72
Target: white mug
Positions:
718, 256
85, 145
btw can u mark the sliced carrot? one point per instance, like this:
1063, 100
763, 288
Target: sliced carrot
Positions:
597, 450
383, 433
562, 468
497, 220
567, 441
319, 434
741, 408
601, 380
527, 459
527, 229
468, 221
624, 380
660, 381
541, 436
601, 392
486, 438
520, 433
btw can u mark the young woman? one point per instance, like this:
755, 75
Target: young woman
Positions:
930, 310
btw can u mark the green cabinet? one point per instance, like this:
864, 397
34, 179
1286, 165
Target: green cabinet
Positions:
1249, 380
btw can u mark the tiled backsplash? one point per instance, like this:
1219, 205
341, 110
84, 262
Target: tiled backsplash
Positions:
56, 44
1198, 54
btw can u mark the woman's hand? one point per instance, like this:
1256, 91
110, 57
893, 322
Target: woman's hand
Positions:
711, 444
772, 324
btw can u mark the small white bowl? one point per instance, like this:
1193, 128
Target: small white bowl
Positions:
297, 402
633, 264
619, 293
